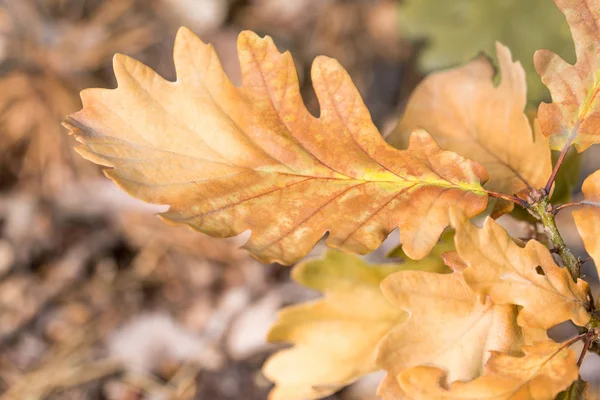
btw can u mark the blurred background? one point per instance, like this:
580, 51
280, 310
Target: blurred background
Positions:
99, 299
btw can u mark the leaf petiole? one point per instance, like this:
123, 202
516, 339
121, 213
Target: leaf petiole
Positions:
586, 346
512, 199
561, 157
556, 209
559, 162
577, 338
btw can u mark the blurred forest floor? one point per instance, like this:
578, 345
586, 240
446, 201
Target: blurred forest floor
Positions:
98, 298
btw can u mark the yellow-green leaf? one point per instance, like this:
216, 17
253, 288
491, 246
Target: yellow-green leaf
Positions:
334, 338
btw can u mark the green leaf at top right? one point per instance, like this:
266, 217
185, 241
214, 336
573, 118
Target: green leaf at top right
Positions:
573, 117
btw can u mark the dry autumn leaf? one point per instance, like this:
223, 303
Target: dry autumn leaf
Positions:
229, 159
334, 337
573, 116
541, 373
587, 218
465, 112
527, 276
450, 327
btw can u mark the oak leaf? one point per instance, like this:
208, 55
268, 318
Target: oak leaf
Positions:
573, 117
228, 159
527, 276
450, 327
465, 112
334, 337
543, 371
587, 219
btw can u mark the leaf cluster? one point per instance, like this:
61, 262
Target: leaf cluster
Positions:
466, 314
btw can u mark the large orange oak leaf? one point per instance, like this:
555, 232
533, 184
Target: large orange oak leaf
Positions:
509, 274
227, 159
587, 218
450, 327
466, 112
573, 117
545, 369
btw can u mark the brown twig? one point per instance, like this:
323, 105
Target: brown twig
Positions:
585, 260
556, 209
561, 157
542, 210
512, 199
577, 338
586, 346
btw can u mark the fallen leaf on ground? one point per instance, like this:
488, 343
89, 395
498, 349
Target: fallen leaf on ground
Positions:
228, 159
528, 276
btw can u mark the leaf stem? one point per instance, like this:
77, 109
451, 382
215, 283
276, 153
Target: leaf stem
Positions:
586, 260
543, 210
556, 209
586, 346
559, 162
512, 199
576, 339
561, 157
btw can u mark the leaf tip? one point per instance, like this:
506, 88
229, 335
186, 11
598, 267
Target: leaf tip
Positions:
541, 60
248, 39
325, 68
188, 40
119, 60
420, 138
505, 60
123, 66
185, 33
